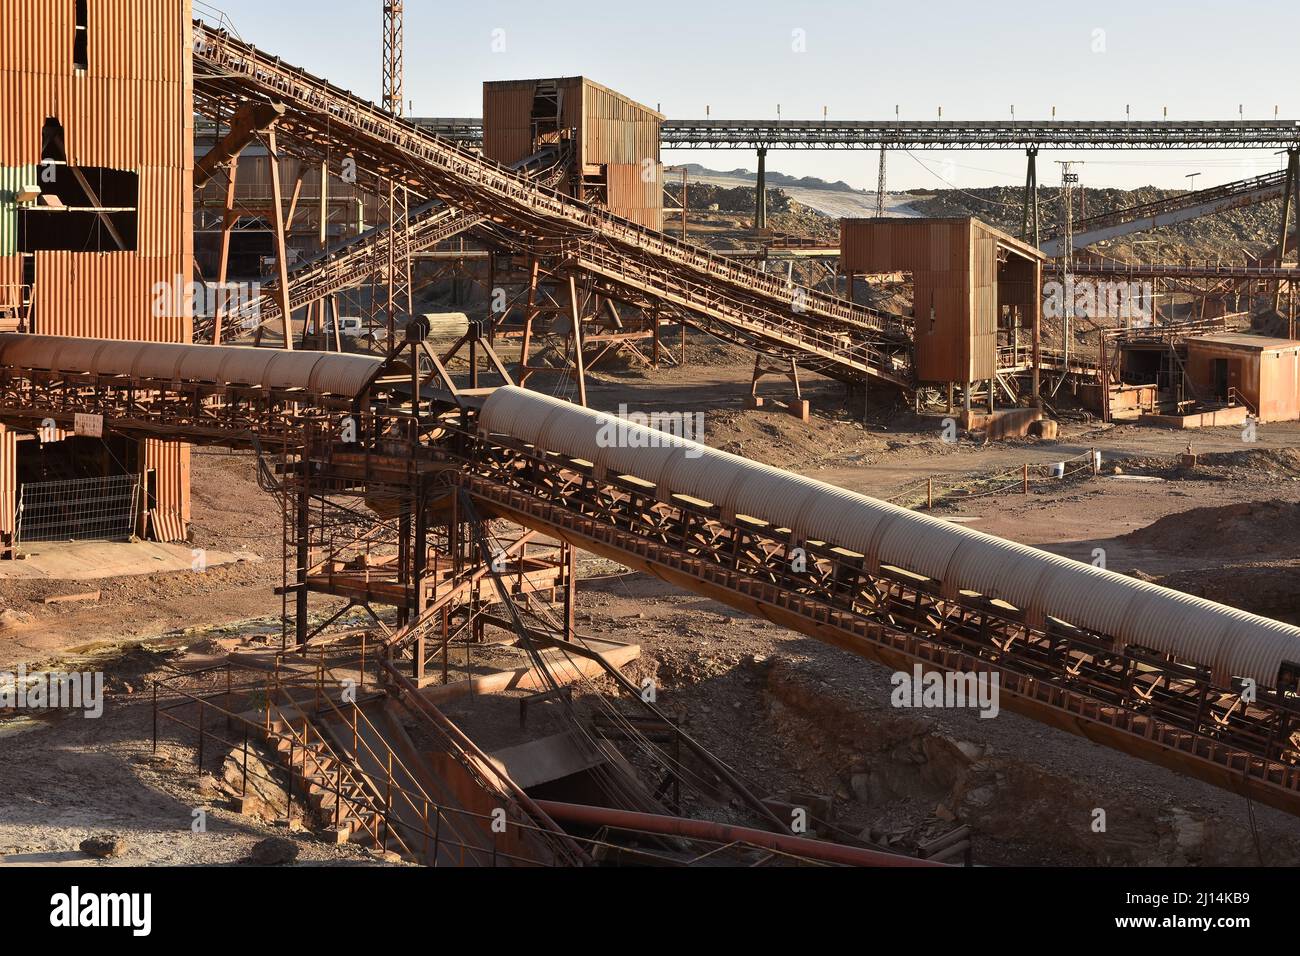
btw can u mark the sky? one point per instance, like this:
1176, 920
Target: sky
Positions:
742, 59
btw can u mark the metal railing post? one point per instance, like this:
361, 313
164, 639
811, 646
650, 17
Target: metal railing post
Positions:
437, 834
200, 754
288, 796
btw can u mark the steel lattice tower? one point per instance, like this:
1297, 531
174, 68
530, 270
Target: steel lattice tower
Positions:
398, 266
392, 96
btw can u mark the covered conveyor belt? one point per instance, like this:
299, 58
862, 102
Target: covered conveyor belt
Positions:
1124, 610
1173, 679
825, 333
1192, 685
315, 374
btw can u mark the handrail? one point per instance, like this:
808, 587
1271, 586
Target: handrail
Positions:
390, 756
488, 178
409, 689
443, 811
265, 729
1235, 396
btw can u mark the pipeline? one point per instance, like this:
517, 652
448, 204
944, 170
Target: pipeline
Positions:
834, 853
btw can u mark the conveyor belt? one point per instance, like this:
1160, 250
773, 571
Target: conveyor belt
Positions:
832, 335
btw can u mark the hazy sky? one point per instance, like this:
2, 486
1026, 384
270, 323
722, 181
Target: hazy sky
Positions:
1200, 59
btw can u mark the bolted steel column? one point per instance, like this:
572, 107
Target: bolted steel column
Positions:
1029, 225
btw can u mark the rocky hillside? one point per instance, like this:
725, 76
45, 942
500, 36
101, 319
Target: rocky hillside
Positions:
704, 197
1225, 235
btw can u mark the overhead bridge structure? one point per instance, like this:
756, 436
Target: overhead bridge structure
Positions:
1183, 682
1199, 269
620, 259
943, 134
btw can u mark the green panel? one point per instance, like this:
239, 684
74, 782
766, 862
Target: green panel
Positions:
12, 179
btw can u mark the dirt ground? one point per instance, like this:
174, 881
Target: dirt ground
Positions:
789, 714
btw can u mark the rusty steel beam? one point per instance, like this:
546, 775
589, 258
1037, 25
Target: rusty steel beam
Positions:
250, 120
1150, 706
710, 286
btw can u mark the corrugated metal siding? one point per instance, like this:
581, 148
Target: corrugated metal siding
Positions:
132, 109
11, 270
8, 483
169, 463
12, 179
954, 271
634, 197
982, 343
107, 295
507, 124
611, 131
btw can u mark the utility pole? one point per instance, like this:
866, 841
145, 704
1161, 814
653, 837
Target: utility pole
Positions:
685, 202
1069, 179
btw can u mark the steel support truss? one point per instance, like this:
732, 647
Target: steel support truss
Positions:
1145, 704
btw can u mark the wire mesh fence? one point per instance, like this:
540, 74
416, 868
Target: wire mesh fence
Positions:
84, 509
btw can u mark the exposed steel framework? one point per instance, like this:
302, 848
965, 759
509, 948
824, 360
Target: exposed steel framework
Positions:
1160, 706
1171, 210
943, 134
844, 340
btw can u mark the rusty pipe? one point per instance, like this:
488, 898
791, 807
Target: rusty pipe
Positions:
723, 833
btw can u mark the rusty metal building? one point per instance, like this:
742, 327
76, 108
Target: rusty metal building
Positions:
1252, 370
613, 142
975, 292
96, 211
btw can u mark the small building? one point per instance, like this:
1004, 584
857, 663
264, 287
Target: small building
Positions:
96, 240
612, 141
975, 293
1253, 370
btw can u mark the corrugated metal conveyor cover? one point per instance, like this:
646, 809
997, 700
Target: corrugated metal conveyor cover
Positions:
318, 373
243, 366
344, 375
1231, 642
291, 369
191, 365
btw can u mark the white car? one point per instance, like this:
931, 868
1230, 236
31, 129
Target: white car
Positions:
352, 326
